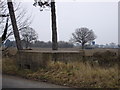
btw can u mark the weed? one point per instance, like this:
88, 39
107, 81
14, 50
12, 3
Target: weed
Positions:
73, 74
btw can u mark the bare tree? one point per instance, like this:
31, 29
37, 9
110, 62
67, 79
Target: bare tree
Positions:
50, 3
14, 24
23, 20
83, 36
2, 14
28, 36
5, 31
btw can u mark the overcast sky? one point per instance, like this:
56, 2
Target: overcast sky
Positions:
101, 17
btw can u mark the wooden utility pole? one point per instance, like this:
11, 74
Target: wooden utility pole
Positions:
54, 26
14, 24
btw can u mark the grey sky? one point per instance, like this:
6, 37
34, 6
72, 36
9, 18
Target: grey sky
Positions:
101, 17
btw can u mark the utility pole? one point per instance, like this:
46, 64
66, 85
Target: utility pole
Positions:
14, 24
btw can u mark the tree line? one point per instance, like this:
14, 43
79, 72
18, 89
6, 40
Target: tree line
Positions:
39, 44
42, 4
81, 35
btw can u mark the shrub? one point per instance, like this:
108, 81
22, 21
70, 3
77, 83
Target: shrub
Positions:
9, 66
107, 58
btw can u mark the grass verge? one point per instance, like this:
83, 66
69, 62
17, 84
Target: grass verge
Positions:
73, 74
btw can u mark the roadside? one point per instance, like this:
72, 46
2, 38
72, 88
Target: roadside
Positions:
72, 74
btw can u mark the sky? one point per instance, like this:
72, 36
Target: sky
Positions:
101, 17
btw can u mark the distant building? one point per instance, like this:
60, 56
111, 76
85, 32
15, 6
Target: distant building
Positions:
93, 42
9, 43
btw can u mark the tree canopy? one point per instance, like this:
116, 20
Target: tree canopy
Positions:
83, 35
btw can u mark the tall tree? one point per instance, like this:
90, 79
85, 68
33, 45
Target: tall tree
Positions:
29, 35
83, 36
51, 4
14, 24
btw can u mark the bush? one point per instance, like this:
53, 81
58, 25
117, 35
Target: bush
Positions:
107, 58
9, 66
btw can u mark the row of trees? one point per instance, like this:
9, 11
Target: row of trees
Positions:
42, 44
41, 4
81, 35
61, 44
38, 44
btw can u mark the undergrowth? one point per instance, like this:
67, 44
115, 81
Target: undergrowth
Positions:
73, 74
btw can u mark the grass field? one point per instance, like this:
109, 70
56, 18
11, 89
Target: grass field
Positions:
88, 52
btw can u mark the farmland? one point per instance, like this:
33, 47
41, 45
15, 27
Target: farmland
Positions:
88, 52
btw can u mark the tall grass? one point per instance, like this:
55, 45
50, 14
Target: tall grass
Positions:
78, 74
73, 74
9, 66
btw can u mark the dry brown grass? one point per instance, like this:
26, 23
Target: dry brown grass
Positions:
88, 52
9, 66
73, 74
78, 74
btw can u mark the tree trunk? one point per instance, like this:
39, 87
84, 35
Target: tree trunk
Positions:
54, 27
83, 45
27, 43
5, 31
14, 25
